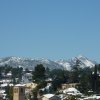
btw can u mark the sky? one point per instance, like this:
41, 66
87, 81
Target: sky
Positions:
52, 29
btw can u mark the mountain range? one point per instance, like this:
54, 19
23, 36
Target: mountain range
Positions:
61, 64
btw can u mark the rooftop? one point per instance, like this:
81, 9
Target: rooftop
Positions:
20, 85
48, 95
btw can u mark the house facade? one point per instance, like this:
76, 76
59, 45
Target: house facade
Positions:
19, 92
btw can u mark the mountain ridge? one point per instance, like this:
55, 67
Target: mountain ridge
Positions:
31, 63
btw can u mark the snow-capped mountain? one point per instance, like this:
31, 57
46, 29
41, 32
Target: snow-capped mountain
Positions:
28, 63
31, 63
66, 64
83, 62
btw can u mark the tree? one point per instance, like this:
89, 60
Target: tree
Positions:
47, 72
39, 73
9, 92
34, 95
59, 77
85, 81
96, 79
0, 73
27, 70
74, 74
17, 73
7, 68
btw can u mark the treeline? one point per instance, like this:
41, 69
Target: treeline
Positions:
16, 72
88, 78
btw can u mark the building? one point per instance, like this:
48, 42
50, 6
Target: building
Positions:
27, 78
70, 85
50, 97
19, 92
9, 75
30, 85
72, 91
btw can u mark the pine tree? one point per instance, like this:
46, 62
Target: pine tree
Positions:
39, 73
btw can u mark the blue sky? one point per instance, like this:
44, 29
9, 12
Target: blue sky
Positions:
53, 29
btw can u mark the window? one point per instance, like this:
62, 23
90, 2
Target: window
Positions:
15, 90
21, 90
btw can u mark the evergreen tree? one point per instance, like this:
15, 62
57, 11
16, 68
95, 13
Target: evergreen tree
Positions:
9, 92
39, 73
75, 73
85, 81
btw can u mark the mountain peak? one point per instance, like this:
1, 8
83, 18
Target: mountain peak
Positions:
31, 63
80, 56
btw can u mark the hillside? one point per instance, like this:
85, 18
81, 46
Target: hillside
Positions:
31, 63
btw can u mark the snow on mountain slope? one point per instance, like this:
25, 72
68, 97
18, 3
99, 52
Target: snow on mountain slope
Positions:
83, 62
28, 63
66, 65
31, 63
86, 61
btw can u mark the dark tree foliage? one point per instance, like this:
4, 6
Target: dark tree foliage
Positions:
59, 77
9, 92
75, 72
0, 73
96, 79
34, 95
17, 73
41, 85
85, 81
39, 73
59, 73
47, 71
7, 69
27, 70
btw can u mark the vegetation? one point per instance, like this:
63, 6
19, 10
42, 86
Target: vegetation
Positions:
39, 73
9, 92
88, 78
83, 76
16, 73
59, 77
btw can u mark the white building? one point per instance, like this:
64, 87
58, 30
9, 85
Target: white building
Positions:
50, 97
72, 91
27, 78
9, 75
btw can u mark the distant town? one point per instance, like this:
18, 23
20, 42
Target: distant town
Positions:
44, 83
